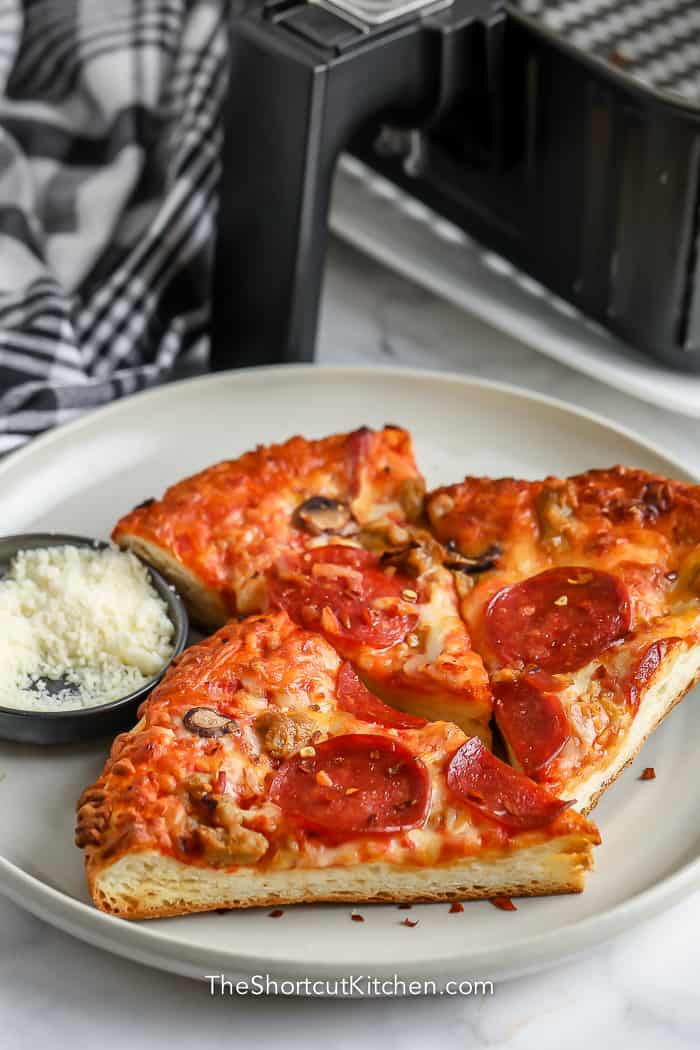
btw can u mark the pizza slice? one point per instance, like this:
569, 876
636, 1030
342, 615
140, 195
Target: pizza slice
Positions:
583, 598
218, 533
263, 772
326, 530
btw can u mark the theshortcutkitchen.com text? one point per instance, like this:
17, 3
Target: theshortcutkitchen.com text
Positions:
360, 986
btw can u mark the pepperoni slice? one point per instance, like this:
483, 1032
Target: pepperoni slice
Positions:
498, 791
355, 698
354, 784
533, 723
645, 668
341, 602
558, 620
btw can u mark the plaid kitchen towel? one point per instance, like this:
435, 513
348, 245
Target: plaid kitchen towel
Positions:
109, 154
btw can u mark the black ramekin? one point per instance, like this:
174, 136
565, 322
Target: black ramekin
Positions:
61, 727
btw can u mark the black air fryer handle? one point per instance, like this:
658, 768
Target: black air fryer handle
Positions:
290, 113
293, 105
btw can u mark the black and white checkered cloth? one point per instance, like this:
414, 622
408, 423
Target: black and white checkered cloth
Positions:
109, 159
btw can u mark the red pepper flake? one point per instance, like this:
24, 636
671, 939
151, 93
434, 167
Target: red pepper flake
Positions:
648, 774
504, 903
456, 907
618, 59
409, 922
357, 917
404, 907
276, 914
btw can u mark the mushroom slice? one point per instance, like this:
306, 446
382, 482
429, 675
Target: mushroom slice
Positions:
320, 514
412, 560
477, 563
205, 721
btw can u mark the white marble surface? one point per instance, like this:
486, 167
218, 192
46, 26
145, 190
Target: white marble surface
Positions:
638, 991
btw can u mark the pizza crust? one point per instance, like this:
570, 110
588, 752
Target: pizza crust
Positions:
672, 682
204, 606
148, 885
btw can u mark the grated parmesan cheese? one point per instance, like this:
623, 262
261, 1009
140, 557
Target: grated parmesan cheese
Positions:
78, 627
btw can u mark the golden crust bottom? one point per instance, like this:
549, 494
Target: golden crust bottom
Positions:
148, 885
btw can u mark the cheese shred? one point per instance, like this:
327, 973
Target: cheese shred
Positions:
79, 627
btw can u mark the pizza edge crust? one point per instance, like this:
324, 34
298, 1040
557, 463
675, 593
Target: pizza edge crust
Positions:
204, 605
150, 885
659, 699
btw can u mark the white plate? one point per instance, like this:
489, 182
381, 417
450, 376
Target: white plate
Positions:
83, 476
384, 222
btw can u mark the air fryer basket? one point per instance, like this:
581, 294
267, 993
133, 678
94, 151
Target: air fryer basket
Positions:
563, 134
